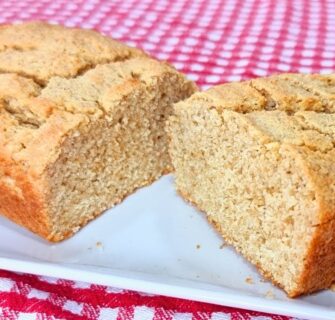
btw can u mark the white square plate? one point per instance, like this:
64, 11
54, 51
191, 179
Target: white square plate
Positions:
156, 243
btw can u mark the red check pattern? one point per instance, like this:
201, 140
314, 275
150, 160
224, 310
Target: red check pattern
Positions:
213, 42
24, 296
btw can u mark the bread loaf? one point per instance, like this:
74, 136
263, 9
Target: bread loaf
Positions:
258, 157
81, 124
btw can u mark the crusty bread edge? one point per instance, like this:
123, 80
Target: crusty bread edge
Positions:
26, 205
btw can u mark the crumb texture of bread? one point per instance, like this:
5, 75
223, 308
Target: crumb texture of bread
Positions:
82, 124
258, 158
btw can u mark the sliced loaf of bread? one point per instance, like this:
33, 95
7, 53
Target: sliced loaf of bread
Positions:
82, 122
258, 157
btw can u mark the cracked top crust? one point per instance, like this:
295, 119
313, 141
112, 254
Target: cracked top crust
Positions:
53, 79
41, 51
291, 110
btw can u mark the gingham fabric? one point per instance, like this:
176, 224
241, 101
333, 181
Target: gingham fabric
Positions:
28, 297
212, 42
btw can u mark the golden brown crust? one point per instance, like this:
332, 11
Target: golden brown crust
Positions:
236, 96
41, 51
286, 95
321, 86
319, 264
20, 201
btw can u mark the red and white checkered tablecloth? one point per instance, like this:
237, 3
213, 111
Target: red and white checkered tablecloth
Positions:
211, 41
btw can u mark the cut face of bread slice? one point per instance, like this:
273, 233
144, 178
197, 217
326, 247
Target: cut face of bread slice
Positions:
264, 175
76, 139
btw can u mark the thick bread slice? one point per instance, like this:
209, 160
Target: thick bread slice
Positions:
264, 175
81, 127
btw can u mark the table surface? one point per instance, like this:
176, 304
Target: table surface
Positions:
212, 42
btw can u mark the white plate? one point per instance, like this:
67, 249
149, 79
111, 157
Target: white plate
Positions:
156, 243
